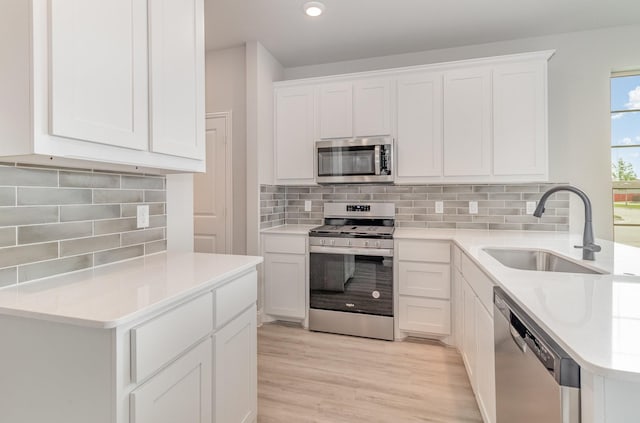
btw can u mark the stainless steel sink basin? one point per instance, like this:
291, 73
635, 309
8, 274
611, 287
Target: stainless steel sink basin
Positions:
538, 260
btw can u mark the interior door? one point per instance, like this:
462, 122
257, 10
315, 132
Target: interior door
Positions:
210, 199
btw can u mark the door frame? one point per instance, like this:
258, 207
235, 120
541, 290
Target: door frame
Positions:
228, 189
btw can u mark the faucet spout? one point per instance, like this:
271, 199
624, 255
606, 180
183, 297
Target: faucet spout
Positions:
589, 247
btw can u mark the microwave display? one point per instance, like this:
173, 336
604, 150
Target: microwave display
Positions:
353, 161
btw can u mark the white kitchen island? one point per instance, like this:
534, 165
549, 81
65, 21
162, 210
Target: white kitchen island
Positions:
165, 338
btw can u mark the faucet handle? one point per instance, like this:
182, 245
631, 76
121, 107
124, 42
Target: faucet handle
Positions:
590, 247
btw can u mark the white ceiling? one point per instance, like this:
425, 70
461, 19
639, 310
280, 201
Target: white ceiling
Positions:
354, 29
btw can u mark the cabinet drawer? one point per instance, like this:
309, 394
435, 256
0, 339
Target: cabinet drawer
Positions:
284, 244
235, 297
479, 282
418, 250
160, 340
425, 279
425, 315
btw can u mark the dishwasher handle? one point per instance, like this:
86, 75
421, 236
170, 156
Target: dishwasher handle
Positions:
519, 341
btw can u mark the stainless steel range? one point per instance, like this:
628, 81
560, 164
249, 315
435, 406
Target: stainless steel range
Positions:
351, 270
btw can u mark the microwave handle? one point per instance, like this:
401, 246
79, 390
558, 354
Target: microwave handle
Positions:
376, 159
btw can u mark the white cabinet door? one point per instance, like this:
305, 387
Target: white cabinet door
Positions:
469, 344
467, 122
180, 393
236, 370
458, 308
335, 110
372, 107
294, 135
176, 63
424, 315
284, 285
519, 119
419, 145
98, 71
424, 279
485, 365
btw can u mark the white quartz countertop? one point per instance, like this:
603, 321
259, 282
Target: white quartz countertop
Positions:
289, 229
595, 318
109, 296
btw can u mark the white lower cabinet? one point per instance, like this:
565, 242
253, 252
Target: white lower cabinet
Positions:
474, 319
423, 289
180, 393
285, 276
236, 370
469, 342
192, 361
485, 369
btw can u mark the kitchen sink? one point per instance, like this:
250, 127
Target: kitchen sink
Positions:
538, 260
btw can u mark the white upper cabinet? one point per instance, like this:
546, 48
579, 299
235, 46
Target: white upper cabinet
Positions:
467, 122
99, 51
116, 84
419, 144
360, 108
472, 121
176, 38
294, 135
520, 119
335, 110
372, 107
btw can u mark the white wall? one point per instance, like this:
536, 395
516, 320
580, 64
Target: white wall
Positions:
226, 91
180, 212
262, 70
579, 122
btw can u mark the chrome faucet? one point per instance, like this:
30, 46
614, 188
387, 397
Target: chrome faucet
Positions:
589, 248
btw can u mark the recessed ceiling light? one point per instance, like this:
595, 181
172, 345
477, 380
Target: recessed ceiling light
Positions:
314, 8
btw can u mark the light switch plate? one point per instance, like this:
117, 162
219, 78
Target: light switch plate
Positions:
531, 207
473, 207
439, 207
142, 216
307, 205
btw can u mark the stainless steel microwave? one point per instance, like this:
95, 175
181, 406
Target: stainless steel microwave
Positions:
359, 160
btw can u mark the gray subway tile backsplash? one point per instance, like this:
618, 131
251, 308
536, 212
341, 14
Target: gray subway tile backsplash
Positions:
7, 196
118, 254
7, 236
54, 267
89, 180
27, 177
47, 196
53, 232
58, 220
500, 206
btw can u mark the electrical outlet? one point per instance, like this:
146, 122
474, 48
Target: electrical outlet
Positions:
142, 216
307, 205
473, 207
439, 207
531, 207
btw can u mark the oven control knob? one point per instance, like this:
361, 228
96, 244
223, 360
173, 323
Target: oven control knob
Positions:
349, 243
377, 244
333, 242
322, 242
366, 243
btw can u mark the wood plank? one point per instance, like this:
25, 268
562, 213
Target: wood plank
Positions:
323, 378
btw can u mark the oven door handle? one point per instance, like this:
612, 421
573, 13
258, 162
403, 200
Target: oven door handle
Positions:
378, 252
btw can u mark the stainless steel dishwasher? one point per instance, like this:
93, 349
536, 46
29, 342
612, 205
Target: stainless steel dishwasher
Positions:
536, 381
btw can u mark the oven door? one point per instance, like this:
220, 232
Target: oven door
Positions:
351, 280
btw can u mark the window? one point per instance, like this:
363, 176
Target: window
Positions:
625, 156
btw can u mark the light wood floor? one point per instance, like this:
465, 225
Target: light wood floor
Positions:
306, 377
